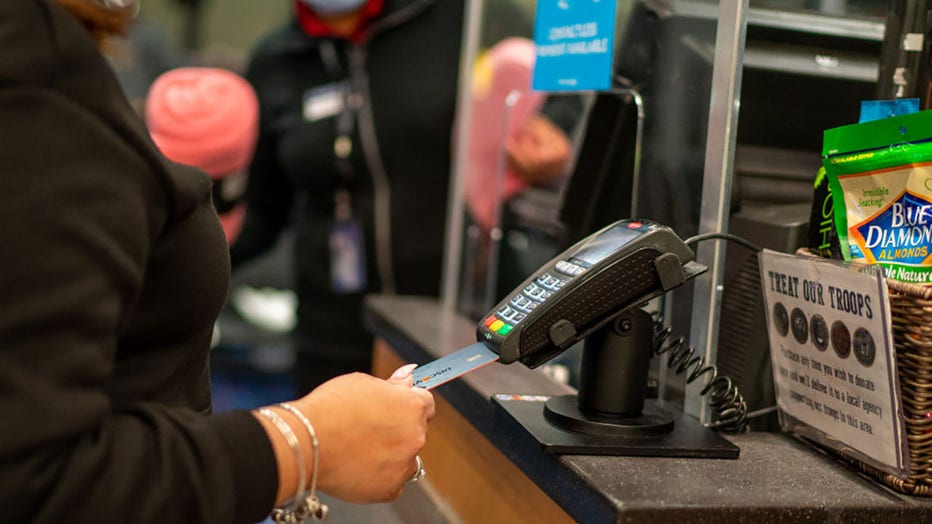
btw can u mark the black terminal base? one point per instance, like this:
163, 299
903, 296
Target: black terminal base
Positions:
564, 413
653, 433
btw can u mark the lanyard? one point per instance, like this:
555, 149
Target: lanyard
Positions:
346, 241
345, 126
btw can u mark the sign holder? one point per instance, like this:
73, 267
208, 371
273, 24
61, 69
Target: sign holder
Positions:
834, 365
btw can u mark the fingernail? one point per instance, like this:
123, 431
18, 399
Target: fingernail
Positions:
404, 371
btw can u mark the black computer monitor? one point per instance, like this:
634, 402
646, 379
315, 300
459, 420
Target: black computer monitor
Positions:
599, 189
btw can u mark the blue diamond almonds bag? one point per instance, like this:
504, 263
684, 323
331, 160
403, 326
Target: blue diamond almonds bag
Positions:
883, 171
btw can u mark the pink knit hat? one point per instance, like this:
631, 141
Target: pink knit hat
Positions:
204, 117
207, 118
506, 67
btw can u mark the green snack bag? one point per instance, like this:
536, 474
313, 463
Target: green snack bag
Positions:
880, 174
822, 235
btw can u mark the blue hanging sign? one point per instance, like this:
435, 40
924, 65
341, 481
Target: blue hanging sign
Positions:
575, 40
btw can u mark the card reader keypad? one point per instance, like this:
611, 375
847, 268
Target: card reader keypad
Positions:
523, 303
569, 268
534, 294
550, 282
511, 315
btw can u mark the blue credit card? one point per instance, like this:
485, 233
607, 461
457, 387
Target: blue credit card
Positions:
445, 369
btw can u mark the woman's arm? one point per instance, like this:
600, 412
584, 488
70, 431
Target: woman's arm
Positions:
369, 432
77, 219
269, 194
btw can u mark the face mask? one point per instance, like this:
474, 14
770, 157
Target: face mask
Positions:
334, 7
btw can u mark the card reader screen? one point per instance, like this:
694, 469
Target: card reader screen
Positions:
606, 243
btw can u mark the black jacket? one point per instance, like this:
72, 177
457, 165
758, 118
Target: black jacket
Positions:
406, 73
114, 268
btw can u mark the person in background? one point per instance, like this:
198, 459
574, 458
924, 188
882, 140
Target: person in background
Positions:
208, 118
357, 105
507, 124
114, 269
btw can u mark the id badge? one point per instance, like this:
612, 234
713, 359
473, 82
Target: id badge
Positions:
347, 257
325, 101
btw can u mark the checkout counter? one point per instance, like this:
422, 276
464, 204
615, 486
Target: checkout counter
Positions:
484, 467
482, 464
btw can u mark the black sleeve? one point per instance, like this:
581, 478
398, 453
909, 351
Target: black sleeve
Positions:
269, 194
77, 218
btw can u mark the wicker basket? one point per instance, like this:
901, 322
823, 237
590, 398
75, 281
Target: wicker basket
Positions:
911, 312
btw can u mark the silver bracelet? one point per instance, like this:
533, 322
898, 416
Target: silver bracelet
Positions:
312, 505
287, 514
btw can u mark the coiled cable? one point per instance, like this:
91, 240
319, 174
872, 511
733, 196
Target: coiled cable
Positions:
729, 410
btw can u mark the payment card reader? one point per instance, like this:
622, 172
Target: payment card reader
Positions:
592, 292
620, 266
581, 290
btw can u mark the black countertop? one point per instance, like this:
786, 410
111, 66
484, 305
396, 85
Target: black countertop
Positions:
777, 478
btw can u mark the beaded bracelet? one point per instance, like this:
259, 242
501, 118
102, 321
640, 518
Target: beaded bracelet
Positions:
312, 505
288, 513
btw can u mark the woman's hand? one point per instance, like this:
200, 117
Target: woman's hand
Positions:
539, 153
370, 431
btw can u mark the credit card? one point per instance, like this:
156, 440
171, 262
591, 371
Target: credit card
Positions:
445, 369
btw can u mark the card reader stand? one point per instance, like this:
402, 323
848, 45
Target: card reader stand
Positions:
610, 414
